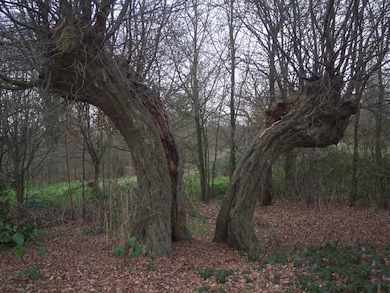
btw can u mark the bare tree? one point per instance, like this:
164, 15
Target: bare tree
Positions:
76, 63
197, 71
22, 135
318, 116
233, 32
95, 130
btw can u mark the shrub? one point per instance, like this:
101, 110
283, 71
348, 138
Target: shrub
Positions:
131, 247
27, 229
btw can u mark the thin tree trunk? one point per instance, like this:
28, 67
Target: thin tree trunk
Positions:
201, 158
19, 189
212, 194
199, 125
83, 215
355, 160
96, 172
379, 186
232, 106
69, 179
18, 172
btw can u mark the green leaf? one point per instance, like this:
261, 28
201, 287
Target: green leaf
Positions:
33, 273
202, 289
207, 273
132, 241
38, 232
18, 238
137, 252
278, 258
222, 275
119, 250
19, 251
23, 273
36, 275
42, 249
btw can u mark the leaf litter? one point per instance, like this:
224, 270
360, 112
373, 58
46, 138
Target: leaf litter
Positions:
74, 262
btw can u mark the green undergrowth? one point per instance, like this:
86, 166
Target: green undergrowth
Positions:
54, 194
131, 248
58, 194
220, 275
191, 185
197, 222
17, 235
332, 268
26, 228
327, 268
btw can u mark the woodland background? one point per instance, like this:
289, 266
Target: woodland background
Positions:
218, 66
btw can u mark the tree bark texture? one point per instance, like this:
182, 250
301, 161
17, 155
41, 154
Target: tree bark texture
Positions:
317, 118
79, 68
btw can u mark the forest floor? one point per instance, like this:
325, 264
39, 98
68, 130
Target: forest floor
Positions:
79, 262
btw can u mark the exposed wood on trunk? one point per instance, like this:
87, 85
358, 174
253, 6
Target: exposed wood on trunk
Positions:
317, 118
158, 113
274, 114
80, 69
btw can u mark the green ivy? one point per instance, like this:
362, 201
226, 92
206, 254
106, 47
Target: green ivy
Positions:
202, 289
358, 267
205, 273
220, 275
32, 273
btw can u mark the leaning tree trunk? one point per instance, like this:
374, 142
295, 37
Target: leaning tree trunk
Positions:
317, 118
79, 68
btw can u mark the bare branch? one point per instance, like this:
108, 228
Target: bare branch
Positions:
12, 84
101, 17
119, 20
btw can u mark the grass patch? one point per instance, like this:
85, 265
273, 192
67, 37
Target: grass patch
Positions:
191, 185
197, 222
47, 195
197, 227
55, 194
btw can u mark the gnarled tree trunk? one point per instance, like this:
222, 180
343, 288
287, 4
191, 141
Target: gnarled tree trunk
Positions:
317, 118
79, 68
